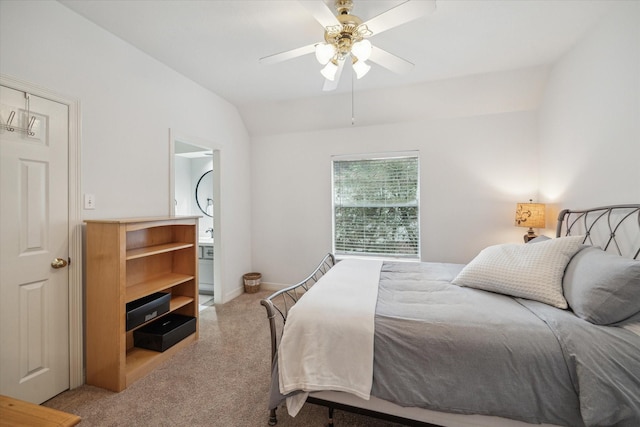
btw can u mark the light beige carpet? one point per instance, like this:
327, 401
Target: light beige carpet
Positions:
221, 380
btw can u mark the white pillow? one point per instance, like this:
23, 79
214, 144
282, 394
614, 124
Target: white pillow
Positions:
526, 271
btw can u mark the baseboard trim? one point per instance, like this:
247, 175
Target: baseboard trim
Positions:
233, 294
267, 286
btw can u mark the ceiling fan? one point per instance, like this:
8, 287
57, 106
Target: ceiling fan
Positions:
345, 39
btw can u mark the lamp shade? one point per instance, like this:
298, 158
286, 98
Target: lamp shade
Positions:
329, 71
530, 215
361, 68
362, 50
324, 52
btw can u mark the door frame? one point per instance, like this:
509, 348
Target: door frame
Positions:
218, 265
76, 319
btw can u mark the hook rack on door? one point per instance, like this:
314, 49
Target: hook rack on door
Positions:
28, 130
32, 120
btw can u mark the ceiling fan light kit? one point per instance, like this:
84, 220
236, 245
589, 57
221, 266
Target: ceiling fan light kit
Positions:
345, 39
345, 36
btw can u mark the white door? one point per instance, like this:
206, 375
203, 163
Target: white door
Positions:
34, 215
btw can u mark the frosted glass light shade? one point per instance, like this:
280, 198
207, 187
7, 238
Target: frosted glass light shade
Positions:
324, 52
329, 71
361, 68
362, 50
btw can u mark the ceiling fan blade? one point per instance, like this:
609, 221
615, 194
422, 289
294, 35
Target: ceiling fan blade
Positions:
390, 61
321, 13
289, 54
401, 14
330, 85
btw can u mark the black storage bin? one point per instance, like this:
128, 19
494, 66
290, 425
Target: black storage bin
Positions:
163, 333
147, 308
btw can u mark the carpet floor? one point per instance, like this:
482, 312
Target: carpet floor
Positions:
220, 380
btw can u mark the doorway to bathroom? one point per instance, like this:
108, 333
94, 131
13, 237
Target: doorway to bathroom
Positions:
195, 191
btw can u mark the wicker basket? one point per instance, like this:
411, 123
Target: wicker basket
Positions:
252, 282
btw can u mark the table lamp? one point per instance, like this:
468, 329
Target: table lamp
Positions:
530, 215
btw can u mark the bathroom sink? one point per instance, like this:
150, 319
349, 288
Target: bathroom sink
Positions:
205, 241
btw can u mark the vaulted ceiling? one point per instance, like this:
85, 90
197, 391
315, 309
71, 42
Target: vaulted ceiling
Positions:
218, 43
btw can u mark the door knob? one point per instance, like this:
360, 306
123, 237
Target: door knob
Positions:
58, 263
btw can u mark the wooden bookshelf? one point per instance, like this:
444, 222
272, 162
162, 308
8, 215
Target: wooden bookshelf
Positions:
128, 259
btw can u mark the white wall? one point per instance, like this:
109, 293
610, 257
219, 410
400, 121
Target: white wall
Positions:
579, 146
128, 103
183, 194
513, 90
473, 171
590, 118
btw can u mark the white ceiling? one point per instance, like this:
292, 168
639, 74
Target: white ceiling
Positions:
218, 43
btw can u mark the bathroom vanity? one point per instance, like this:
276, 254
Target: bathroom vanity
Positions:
205, 265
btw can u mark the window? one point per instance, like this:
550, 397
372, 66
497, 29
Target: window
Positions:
376, 206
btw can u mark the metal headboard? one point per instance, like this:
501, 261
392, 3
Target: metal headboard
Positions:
613, 228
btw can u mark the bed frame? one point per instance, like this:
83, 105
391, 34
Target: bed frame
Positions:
614, 228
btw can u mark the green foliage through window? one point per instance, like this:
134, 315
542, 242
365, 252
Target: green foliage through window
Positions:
376, 207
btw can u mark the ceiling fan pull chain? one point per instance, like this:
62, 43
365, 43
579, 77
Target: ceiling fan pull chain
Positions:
353, 114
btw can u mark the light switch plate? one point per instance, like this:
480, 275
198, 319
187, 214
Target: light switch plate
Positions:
89, 201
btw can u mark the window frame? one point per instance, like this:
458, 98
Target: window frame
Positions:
366, 157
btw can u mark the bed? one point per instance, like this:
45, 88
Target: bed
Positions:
546, 332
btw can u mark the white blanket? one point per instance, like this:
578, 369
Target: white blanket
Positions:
327, 343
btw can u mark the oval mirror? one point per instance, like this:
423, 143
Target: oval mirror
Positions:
204, 193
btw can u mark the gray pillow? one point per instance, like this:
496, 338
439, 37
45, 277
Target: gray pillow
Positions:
601, 287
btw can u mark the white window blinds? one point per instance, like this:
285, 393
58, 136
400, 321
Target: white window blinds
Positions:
376, 207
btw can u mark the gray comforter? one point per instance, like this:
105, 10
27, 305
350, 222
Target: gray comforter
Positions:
453, 349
